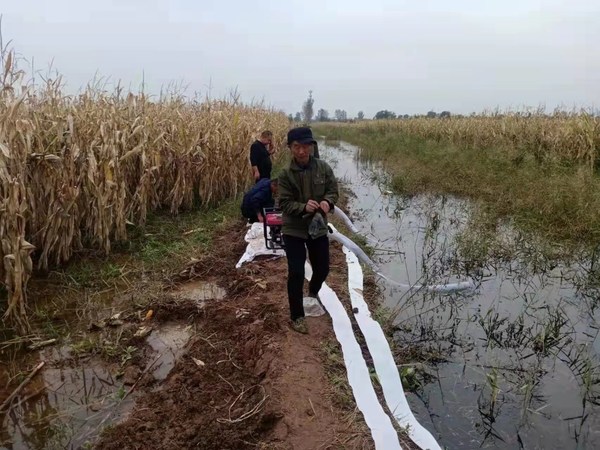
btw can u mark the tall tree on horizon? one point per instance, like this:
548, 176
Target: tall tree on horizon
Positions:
307, 108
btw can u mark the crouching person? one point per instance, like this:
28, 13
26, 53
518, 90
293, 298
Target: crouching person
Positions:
261, 195
308, 191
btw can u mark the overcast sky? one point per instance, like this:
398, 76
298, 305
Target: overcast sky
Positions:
405, 56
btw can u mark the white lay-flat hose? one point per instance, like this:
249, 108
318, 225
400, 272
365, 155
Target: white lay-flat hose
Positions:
362, 256
337, 212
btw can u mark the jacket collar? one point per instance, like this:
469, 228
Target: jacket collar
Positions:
296, 168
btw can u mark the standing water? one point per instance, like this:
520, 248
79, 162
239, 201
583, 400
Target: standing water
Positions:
71, 401
513, 364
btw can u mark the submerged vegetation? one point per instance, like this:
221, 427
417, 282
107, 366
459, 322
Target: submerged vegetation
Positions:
540, 171
75, 171
518, 355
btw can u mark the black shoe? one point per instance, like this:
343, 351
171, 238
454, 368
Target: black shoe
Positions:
299, 325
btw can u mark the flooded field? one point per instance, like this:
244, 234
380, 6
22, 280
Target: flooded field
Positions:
513, 364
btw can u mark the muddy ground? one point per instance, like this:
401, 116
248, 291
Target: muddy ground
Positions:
245, 379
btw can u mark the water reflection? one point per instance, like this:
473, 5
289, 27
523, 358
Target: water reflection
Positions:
64, 406
69, 403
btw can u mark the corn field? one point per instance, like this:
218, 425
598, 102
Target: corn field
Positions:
561, 136
74, 170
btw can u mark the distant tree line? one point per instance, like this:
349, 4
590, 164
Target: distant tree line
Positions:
385, 114
340, 115
307, 114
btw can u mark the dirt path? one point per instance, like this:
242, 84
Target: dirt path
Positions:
246, 380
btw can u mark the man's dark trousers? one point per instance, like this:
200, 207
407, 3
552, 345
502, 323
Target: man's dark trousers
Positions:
318, 254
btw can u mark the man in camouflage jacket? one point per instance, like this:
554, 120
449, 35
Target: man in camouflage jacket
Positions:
308, 191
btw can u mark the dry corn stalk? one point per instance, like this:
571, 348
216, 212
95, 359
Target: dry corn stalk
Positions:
74, 170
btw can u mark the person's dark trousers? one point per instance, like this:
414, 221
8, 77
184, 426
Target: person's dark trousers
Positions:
318, 254
250, 215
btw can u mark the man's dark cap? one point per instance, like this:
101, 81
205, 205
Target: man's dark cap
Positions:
303, 135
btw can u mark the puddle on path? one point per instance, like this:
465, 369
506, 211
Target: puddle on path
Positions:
168, 343
200, 292
522, 367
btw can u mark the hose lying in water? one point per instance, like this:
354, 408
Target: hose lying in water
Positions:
354, 248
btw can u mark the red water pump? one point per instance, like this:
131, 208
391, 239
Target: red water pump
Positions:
272, 223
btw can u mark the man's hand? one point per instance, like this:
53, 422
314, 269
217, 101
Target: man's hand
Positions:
260, 217
324, 206
256, 173
311, 206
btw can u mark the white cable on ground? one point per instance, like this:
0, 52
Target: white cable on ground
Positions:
382, 430
384, 363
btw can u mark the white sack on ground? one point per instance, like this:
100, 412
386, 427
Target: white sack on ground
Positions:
385, 366
256, 245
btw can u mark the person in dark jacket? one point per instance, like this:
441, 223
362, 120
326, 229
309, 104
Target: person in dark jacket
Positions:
260, 196
308, 191
260, 156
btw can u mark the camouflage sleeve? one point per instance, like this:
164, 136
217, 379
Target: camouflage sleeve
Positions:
287, 202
